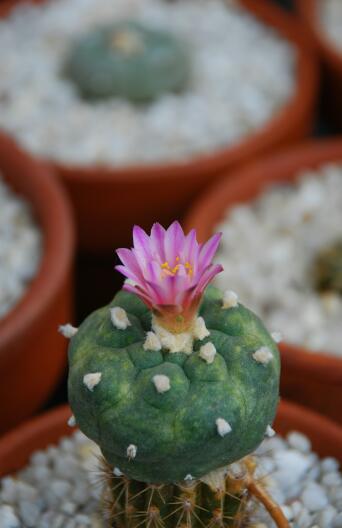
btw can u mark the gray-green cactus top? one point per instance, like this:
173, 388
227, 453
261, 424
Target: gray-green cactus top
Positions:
212, 410
127, 60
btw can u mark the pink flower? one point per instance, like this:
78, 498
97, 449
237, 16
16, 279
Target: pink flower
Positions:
169, 271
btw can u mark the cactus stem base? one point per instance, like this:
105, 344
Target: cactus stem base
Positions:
195, 504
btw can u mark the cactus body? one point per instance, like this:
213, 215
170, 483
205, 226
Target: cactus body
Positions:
214, 412
127, 60
327, 269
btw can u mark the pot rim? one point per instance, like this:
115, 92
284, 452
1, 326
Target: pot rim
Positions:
307, 9
53, 212
285, 165
46, 429
278, 126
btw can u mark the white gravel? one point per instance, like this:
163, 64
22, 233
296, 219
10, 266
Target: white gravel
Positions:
331, 21
242, 74
61, 488
267, 251
20, 247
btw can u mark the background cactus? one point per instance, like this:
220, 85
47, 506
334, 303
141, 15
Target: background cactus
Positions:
176, 388
127, 60
327, 269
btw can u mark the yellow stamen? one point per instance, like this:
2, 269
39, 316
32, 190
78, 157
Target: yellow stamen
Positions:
168, 270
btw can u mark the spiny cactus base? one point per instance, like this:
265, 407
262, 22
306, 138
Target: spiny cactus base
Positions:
132, 504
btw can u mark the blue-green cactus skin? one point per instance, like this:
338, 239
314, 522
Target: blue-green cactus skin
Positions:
175, 432
101, 69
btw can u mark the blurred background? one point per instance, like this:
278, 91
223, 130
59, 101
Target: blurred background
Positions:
237, 105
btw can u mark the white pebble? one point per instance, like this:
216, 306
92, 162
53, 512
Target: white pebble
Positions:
92, 379
8, 519
299, 441
314, 497
223, 427
208, 352
119, 318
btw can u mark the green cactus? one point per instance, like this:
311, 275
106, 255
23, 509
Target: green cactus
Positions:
127, 60
175, 433
327, 269
177, 384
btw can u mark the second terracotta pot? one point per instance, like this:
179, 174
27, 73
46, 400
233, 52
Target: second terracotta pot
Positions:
32, 353
330, 55
310, 378
108, 201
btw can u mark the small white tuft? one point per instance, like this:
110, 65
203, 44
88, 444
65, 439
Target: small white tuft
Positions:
152, 342
132, 451
269, 431
230, 299
117, 472
263, 355
67, 330
200, 330
72, 421
119, 318
92, 379
277, 337
223, 427
188, 477
161, 383
208, 352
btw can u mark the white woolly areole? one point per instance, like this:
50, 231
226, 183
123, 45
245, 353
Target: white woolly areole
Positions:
223, 427
277, 337
269, 431
161, 383
263, 355
132, 451
117, 472
92, 379
230, 299
119, 318
72, 421
200, 331
188, 477
208, 352
67, 330
152, 342
173, 342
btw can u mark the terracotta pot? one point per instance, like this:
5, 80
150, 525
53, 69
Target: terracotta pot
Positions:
32, 353
109, 201
17, 446
312, 379
330, 55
